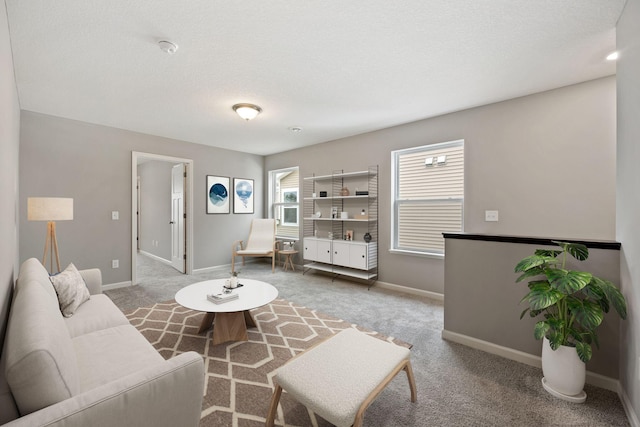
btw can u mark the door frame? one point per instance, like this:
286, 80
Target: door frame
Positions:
188, 207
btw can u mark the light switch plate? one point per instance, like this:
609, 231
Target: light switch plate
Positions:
115, 215
491, 216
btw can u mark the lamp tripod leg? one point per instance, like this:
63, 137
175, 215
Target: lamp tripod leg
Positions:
47, 244
54, 246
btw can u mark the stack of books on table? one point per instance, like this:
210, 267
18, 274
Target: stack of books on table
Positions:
221, 298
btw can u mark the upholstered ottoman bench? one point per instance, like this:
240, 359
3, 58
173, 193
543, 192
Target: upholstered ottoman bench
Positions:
340, 377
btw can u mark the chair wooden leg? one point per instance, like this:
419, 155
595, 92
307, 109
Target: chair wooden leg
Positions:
273, 407
273, 263
412, 381
233, 262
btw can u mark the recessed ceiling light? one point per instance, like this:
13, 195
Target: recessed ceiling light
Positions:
612, 56
168, 47
295, 129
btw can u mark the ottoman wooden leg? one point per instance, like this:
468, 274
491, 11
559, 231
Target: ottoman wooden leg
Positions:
273, 407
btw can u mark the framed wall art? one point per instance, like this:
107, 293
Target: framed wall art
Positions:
218, 197
242, 195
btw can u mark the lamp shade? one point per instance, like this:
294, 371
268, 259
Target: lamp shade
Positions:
49, 209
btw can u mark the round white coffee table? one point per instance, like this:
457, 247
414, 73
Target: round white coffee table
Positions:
231, 317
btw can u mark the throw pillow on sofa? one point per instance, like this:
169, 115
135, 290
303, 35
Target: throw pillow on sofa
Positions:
71, 290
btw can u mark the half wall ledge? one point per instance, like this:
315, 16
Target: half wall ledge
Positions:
591, 244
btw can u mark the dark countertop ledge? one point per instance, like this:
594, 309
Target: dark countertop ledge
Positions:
591, 244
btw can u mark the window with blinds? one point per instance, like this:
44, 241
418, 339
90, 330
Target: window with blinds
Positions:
284, 201
428, 195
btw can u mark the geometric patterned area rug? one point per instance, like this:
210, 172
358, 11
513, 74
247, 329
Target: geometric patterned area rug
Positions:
239, 379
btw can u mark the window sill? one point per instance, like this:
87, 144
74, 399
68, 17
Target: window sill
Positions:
416, 253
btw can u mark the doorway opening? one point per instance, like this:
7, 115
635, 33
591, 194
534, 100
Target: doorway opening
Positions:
162, 205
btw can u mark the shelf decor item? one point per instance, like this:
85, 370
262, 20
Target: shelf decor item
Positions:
367, 237
218, 200
573, 304
344, 191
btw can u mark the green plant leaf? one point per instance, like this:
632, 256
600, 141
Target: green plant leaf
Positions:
555, 339
542, 296
524, 312
532, 261
576, 250
540, 329
613, 294
584, 351
548, 252
567, 281
530, 273
588, 314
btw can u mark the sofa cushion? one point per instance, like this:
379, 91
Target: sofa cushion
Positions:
41, 366
96, 314
108, 354
32, 269
71, 290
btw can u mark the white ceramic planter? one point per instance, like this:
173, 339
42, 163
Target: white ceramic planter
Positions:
564, 373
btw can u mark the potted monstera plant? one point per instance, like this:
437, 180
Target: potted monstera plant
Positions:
572, 305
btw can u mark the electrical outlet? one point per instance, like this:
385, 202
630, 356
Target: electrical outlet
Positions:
491, 216
115, 263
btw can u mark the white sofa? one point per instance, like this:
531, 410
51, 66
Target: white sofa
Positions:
91, 369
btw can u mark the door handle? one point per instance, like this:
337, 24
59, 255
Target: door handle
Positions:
171, 222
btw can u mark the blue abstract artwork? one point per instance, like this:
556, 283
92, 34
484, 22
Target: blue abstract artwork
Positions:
243, 195
217, 194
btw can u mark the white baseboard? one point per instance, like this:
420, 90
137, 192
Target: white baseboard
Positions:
116, 285
413, 291
156, 257
214, 268
597, 380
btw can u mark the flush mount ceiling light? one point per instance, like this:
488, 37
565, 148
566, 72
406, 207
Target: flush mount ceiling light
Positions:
247, 111
168, 47
612, 56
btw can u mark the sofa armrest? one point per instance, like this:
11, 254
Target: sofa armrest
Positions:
168, 394
93, 278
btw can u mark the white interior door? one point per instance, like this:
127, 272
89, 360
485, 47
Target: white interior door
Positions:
177, 218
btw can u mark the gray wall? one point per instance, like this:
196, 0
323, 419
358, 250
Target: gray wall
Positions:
482, 299
9, 143
155, 208
522, 158
92, 164
628, 195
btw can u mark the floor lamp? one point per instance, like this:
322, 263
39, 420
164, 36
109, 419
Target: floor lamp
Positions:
50, 209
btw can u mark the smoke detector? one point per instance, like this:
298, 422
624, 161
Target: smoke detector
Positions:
168, 47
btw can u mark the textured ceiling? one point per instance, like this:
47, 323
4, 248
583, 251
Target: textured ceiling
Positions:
335, 68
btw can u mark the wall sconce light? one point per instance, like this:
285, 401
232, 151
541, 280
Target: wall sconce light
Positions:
435, 161
247, 111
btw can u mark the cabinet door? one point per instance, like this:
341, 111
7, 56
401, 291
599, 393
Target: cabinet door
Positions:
358, 256
310, 249
341, 253
324, 251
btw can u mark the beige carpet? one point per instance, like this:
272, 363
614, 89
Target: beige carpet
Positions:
239, 382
